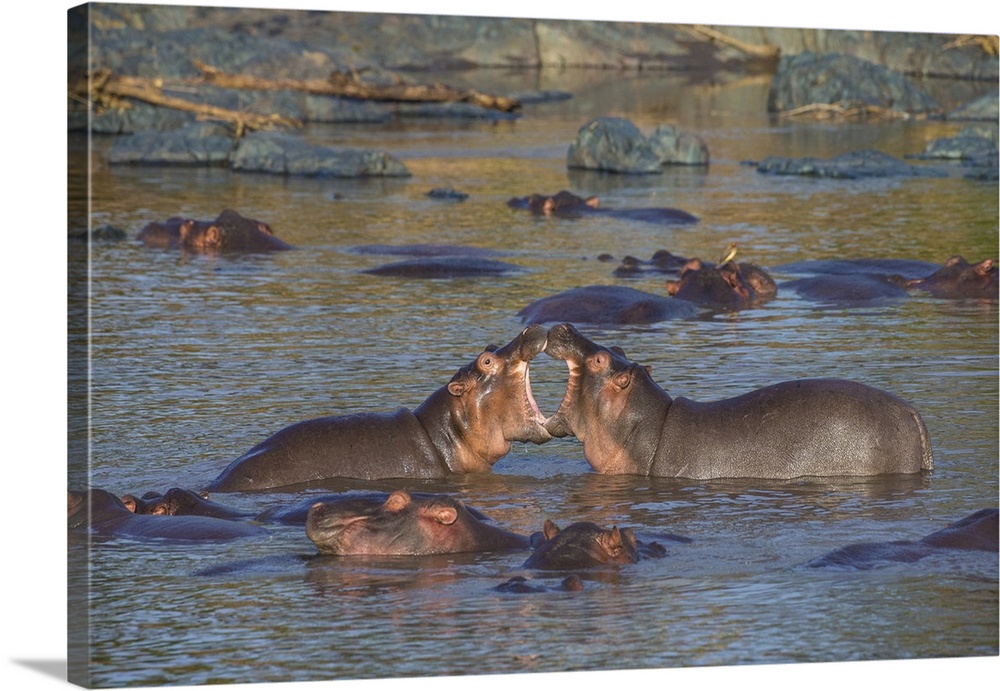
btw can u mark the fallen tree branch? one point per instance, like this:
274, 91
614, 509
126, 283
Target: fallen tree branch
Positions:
108, 88
845, 110
704, 33
349, 86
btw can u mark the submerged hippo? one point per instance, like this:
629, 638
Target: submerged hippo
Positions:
809, 427
977, 531
847, 288
465, 426
102, 513
143, 504
585, 544
297, 512
958, 279
600, 304
662, 261
728, 285
444, 267
565, 204
185, 502
229, 232
404, 524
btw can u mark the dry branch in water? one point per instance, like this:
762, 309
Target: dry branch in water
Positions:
704, 33
348, 86
844, 110
109, 90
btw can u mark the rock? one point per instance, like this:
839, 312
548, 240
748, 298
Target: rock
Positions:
194, 144
854, 165
448, 194
962, 147
677, 147
983, 108
285, 154
811, 78
617, 145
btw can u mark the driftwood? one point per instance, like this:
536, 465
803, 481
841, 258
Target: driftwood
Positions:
110, 90
704, 33
348, 86
845, 110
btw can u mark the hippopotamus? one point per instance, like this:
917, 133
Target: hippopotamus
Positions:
958, 279
600, 304
977, 531
806, 427
907, 268
102, 513
185, 502
586, 544
444, 267
464, 427
849, 288
662, 261
521, 585
565, 204
143, 504
727, 286
404, 525
229, 232
296, 514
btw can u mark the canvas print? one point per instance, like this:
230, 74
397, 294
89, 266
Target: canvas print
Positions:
410, 345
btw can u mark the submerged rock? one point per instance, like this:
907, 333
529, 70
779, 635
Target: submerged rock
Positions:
853, 165
194, 144
616, 145
284, 154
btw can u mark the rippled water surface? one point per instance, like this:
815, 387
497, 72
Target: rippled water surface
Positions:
194, 360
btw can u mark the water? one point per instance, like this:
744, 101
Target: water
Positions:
194, 360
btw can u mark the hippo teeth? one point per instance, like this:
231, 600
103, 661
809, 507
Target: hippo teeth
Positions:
532, 403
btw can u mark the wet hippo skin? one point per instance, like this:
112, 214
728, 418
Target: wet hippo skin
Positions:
404, 524
465, 426
977, 531
565, 204
229, 232
104, 514
958, 279
601, 304
808, 427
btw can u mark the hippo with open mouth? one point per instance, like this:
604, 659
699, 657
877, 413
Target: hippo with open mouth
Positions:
807, 427
464, 427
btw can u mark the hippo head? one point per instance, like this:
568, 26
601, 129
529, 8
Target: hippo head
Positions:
229, 232
489, 402
723, 286
607, 399
959, 279
178, 502
403, 524
562, 203
583, 544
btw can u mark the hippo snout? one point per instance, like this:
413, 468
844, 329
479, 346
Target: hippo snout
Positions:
563, 341
532, 341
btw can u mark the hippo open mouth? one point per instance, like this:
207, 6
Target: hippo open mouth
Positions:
564, 342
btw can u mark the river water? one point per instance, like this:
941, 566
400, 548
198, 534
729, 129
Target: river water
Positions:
194, 360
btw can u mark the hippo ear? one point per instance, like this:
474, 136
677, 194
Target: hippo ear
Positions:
673, 287
615, 538
129, 501
622, 380
185, 229
213, 238
984, 267
160, 510
456, 388
397, 501
204, 495
550, 529
445, 515
619, 350
649, 369
592, 202
957, 259
628, 537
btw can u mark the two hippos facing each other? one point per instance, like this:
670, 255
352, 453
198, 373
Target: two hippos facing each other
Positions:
626, 422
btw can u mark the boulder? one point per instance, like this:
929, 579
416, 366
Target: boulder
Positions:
616, 145
285, 154
811, 78
854, 165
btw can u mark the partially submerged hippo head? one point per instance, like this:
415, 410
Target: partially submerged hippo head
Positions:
563, 203
599, 387
728, 285
492, 402
229, 232
403, 525
959, 279
581, 545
